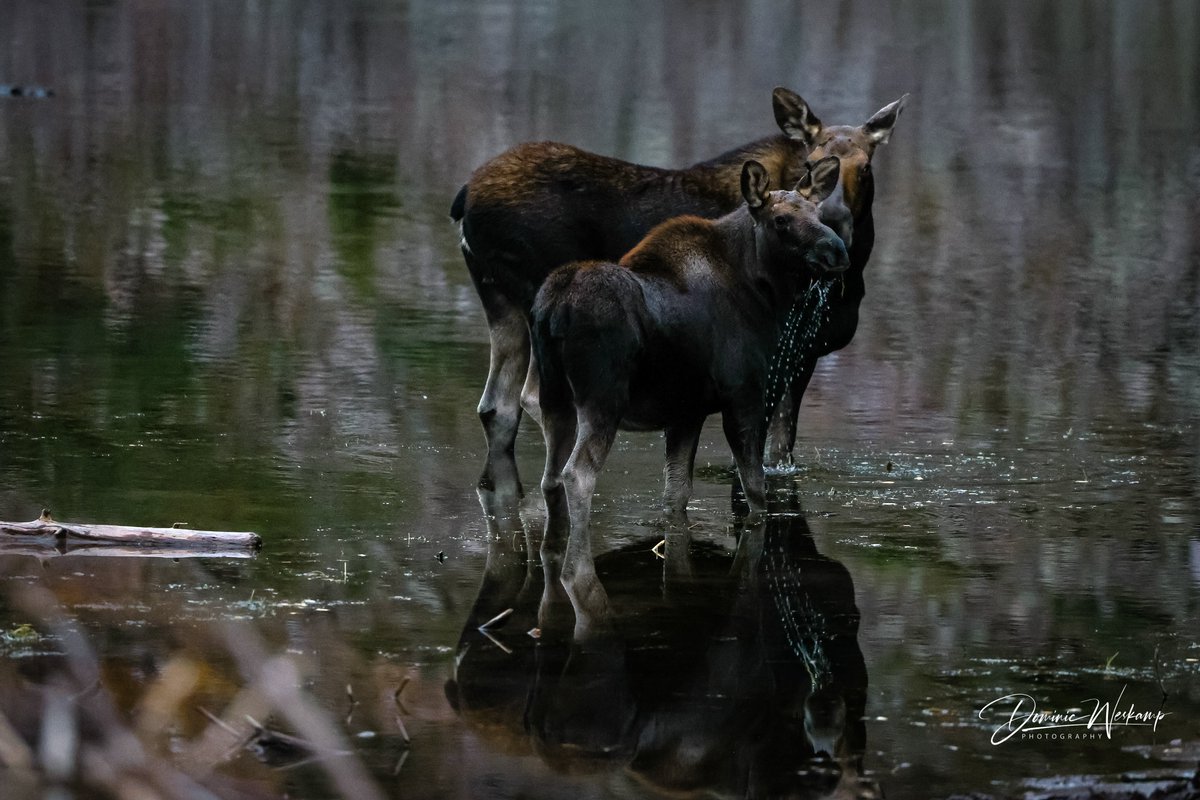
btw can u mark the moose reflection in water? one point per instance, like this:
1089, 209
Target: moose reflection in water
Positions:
731, 674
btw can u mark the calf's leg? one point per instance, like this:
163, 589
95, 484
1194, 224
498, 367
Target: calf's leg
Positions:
781, 433
746, 436
682, 440
781, 439
593, 441
530, 392
558, 429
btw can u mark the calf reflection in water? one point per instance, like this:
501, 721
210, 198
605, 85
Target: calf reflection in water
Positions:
707, 673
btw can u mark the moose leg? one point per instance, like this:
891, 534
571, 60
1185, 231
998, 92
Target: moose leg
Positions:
781, 433
500, 406
530, 401
781, 439
593, 442
500, 497
558, 430
746, 437
508, 574
682, 440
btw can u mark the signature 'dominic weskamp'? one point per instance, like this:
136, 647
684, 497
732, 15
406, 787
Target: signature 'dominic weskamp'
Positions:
1024, 718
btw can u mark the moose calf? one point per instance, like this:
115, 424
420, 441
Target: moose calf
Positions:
681, 328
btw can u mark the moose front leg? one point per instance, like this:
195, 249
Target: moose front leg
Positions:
746, 436
781, 438
781, 433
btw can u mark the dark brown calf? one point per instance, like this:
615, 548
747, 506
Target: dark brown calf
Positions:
541, 205
682, 328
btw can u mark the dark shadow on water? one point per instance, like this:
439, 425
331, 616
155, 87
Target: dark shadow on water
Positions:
727, 672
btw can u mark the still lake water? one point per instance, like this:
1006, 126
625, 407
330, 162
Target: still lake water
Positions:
230, 295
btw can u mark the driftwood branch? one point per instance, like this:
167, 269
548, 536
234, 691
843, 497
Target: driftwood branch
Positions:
46, 529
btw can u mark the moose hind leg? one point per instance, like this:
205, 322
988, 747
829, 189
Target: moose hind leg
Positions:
530, 392
558, 428
682, 440
593, 443
500, 406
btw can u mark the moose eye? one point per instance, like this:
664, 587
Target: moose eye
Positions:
781, 221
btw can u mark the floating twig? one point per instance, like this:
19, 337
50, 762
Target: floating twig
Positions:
658, 549
89, 690
220, 723
243, 739
400, 762
403, 729
283, 750
502, 615
353, 704
400, 708
400, 690
495, 641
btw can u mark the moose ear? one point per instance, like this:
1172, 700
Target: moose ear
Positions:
794, 116
754, 184
879, 127
821, 179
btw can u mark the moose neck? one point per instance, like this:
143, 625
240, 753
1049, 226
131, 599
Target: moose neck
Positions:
862, 242
777, 153
764, 285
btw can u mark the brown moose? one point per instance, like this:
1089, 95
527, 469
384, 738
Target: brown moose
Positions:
540, 205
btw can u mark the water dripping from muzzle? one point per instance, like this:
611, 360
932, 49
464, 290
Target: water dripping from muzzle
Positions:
808, 313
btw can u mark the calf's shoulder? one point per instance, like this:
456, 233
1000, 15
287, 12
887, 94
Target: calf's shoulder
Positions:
675, 249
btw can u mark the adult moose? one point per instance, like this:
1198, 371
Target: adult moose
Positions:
681, 328
855, 194
541, 205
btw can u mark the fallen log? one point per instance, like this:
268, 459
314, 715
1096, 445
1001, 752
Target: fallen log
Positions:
45, 548
46, 528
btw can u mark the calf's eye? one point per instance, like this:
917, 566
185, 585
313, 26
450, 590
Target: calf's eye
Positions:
781, 221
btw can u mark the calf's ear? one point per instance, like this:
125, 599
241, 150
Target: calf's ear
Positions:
879, 127
821, 179
755, 181
794, 116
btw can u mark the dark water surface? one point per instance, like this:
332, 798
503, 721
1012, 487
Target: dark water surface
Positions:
230, 295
